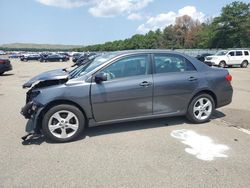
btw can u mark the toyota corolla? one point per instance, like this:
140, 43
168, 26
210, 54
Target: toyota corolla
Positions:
125, 86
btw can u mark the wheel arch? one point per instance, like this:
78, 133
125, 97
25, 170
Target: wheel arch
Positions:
205, 91
59, 102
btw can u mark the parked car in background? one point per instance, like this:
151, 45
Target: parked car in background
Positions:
2, 52
27, 57
85, 58
64, 53
76, 56
15, 55
5, 66
54, 58
201, 57
226, 58
125, 86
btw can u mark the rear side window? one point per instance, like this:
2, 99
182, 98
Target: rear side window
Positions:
239, 53
246, 52
167, 63
231, 53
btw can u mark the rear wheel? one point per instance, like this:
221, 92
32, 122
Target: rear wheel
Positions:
244, 64
63, 123
222, 64
201, 108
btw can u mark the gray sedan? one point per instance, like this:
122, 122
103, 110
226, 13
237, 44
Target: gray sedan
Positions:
124, 86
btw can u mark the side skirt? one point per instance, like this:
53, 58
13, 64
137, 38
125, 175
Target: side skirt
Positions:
93, 123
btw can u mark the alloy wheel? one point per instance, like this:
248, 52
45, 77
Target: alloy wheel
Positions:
63, 124
202, 108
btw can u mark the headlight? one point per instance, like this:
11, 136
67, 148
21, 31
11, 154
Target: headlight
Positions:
34, 94
31, 95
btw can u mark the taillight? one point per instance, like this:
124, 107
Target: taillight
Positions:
229, 77
2, 61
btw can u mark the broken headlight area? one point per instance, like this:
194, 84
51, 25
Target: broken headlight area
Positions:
30, 95
29, 109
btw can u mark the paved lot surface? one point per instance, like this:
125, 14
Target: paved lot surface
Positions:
167, 152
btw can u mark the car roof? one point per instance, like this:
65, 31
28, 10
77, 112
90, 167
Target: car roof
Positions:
128, 52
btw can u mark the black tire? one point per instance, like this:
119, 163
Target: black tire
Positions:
1, 73
190, 112
222, 64
244, 64
53, 110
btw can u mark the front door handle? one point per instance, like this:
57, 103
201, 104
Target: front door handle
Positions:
191, 78
145, 84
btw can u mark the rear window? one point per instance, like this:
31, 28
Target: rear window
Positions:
246, 52
238, 53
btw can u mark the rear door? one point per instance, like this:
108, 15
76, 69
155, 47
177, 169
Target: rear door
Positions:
128, 91
239, 57
175, 79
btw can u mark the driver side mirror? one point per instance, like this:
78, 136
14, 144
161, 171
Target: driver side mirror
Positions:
100, 77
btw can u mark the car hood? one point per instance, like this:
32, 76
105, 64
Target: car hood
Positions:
58, 74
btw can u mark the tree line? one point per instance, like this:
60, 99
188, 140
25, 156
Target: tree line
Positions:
231, 29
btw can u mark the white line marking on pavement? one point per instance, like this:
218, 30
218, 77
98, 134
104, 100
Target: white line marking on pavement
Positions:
243, 130
201, 146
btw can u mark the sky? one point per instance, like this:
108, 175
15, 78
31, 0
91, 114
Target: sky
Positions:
84, 22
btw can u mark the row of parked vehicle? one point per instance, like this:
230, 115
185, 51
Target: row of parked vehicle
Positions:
45, 57
79, 60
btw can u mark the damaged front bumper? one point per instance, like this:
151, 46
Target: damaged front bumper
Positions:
32, 111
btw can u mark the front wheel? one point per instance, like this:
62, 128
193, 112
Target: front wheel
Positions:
222, 64
63, 123
201, 108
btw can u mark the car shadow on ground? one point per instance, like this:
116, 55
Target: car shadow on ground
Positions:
123, 127
10, 74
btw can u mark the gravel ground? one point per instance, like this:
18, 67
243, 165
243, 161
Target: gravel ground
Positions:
166, 152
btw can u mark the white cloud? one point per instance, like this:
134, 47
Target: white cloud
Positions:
162, 20
134, 16
110, 8
64, 3
103, 8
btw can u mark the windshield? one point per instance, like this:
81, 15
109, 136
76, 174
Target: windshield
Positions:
220, 53
91, 65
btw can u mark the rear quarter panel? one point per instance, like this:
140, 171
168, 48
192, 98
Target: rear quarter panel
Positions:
218, 84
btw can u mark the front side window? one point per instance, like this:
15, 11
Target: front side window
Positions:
238, 53
231, 53
129, 66
167, 63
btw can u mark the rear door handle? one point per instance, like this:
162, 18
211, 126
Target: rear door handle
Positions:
191, 78
145, 84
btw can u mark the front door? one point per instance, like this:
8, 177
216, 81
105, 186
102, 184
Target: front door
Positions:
232, 59
128, 91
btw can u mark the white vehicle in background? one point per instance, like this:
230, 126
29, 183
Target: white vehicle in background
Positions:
2, 52
229, 58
